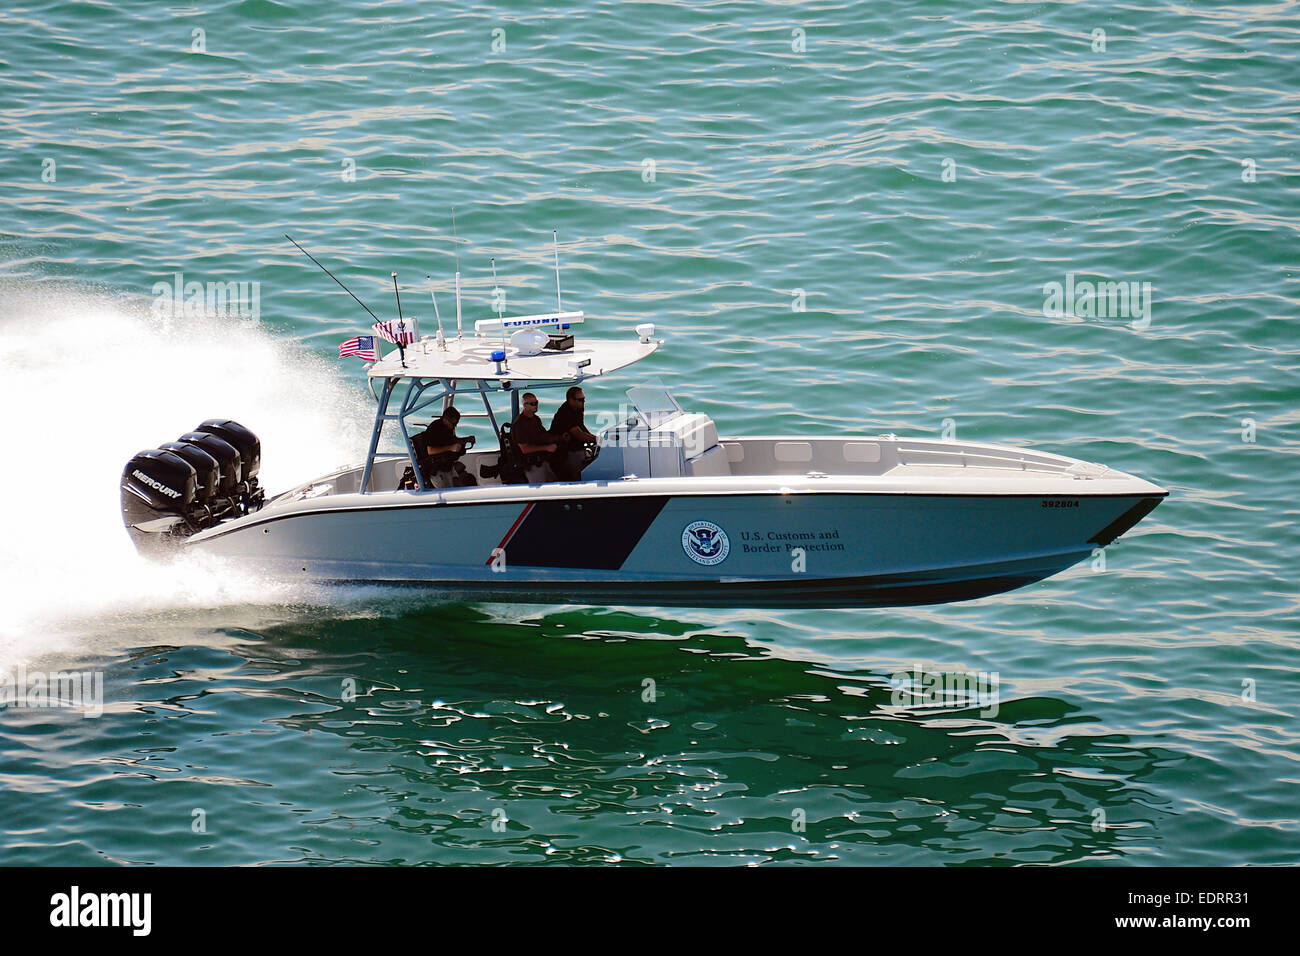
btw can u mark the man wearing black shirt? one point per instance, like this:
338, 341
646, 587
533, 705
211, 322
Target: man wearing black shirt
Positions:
572, 436
533, 440
438, 450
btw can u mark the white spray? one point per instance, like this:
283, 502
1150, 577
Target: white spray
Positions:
89, 378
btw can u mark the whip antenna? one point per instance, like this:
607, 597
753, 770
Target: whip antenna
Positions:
456, 243
555, 238
442, 339
455, 238
458, 332
496, 289
495, 292
401, 323
332, 276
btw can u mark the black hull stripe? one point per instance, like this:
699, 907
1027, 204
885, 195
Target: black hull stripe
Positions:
595, 533
838, 593
1125, 521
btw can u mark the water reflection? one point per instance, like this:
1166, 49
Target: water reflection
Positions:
457, 734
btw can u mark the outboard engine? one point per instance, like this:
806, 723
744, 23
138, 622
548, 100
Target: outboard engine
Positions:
228, 462
158, 489
249, 447
208, 473
191, 484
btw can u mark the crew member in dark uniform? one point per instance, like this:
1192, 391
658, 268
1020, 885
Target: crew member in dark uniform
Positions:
571, 435
533, 441
438, 450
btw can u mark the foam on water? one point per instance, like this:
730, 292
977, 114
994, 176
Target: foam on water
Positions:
88, 379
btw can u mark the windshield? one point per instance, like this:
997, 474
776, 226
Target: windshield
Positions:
653, 403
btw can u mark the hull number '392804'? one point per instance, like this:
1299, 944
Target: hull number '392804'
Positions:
705, 543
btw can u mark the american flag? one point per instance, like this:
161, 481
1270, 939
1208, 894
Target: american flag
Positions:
363, 347
396, 332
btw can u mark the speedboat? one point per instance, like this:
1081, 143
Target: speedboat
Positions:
670, 512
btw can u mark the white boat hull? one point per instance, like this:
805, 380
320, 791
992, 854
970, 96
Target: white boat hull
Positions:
790, 541
668, 512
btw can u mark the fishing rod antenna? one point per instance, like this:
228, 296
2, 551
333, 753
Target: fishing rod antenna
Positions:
331, 275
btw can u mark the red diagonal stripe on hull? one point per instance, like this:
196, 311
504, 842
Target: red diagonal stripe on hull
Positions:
513, 528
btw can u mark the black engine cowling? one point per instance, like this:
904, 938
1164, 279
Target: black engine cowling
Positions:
249, 496
172, 492
207, 469
248, 444
228, 460
158, 494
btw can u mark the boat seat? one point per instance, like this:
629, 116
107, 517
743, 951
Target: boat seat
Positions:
510, 463
453, 474
714, 461
516, 468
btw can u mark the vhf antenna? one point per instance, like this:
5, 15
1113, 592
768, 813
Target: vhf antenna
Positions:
500, 311
401, 323
456, 240
442, 339
555, 238
332, 276
496, 289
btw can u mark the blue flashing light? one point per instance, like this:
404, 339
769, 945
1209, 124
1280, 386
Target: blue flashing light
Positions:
499, 355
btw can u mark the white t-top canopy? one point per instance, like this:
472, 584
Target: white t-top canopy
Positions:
471, 358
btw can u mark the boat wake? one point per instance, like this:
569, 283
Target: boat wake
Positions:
87, 379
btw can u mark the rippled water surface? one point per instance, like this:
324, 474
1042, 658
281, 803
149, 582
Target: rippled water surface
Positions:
843, 217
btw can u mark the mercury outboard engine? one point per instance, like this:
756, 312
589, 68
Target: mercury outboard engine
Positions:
185, 486
208, 472
249, 447
228, 464
158, 489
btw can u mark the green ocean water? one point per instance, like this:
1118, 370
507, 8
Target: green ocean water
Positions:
843, 218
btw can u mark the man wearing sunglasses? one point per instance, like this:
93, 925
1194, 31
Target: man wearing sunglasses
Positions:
534, 442
572, 436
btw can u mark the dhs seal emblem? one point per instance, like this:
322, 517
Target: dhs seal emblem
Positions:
705, 543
